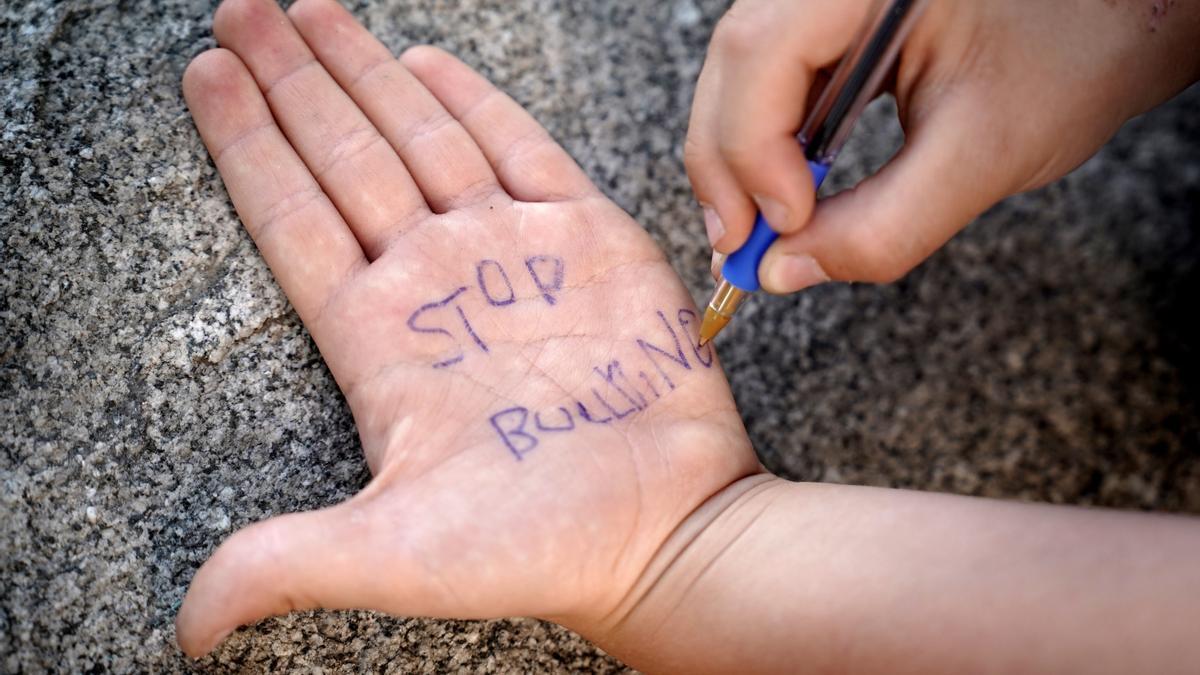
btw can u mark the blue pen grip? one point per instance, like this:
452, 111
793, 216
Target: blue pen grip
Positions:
741, 267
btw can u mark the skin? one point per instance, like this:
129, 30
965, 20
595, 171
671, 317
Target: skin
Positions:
372, 187
995, 96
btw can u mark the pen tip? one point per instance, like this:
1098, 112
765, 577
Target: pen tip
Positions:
711, 325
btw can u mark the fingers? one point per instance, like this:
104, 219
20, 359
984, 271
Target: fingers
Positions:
442, 157
349, 158
308, 246
531, 166
291, 562
749, 106
728, 210
944, 177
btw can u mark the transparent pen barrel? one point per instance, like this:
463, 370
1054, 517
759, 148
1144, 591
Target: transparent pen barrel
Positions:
857, 78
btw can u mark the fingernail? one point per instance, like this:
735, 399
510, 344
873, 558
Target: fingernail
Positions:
713, 224
795, 272
776, 213
718, 259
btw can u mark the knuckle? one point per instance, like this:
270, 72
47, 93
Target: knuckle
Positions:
696, 157
738, 33
876, 259
742, 154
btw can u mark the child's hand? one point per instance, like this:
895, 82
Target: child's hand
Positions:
996, 97
517, 353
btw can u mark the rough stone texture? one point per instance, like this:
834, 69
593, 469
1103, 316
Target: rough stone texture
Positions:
156, 392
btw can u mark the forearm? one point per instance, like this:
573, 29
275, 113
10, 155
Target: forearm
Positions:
781, 576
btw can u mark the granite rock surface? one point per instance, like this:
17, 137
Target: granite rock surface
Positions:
157, 392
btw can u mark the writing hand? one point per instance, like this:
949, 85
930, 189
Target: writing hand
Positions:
518, 355
995, 96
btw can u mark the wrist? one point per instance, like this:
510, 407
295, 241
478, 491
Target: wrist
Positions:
629, 628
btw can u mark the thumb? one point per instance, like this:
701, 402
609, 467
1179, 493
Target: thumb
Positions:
290, 562
947, 173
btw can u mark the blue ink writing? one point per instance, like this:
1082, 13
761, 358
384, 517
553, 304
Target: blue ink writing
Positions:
568, 425
550, 281
514, 436
481, 277
619, 414
546, 272
646, 379
471, 331
684, 323
677, 357
587, 416
610, 373
619, 396
437, 330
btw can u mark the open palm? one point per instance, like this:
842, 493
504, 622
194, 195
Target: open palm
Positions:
519, 357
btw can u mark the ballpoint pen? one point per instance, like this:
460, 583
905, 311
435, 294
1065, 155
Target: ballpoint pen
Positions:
854, 83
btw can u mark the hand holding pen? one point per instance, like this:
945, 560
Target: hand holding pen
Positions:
825, 130
994, 98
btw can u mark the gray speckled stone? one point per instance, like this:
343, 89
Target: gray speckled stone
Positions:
157, 393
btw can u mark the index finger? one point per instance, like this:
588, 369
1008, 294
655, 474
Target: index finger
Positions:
303, 238
769, 54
